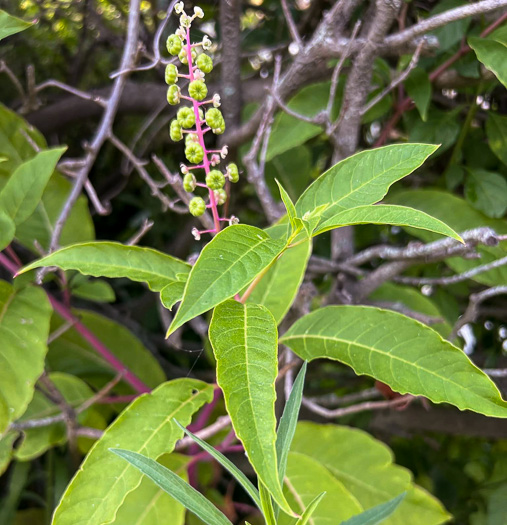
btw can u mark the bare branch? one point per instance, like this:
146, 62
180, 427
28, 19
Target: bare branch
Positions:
293, 30
72, 90
145, 227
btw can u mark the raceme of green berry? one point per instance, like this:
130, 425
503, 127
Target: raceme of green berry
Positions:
232, 172
174, 44
194, 153
189, 182
220, 196
173, 95
171, 74
204, 63
197, 90
175, 131
197, 206
186, 117
215, 180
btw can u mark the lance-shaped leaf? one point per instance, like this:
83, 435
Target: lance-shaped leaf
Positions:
362, 179
180, 490
309, 511
112, 259
10, 25
405, 354
244, 340
24, 189
226, 265
101, 485
24, 329
377, 514
387, 214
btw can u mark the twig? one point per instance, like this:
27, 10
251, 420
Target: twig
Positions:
53, 336
290, 23
145, 227
4, 68
72, 90
332, 399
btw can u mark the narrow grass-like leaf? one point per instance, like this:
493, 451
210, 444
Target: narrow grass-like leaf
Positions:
112, 259
267, 505
228, 465
362, 179
24, 329
377, 514
289, 206
103, 481
244, 340
24, 188
10, 25
405, 354
226, 265
288, 421
387, 214
179, 489
307, 514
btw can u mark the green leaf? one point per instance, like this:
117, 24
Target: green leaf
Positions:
418, 88
363, 178
492, 54
377, 514
307, 514
487, 192
244, 340
370, 476
451, 33
385, 214
460, 216
93, 290
279, 286
24, 329
111, 259
228, 465
6, 444
267, 505
24, 189
289, 206
225, 266
10, 25
181, 491
440, 127
151, 505
172, 293
305, 480
288, 421
405, 354
101, 485
496, 130
7, 230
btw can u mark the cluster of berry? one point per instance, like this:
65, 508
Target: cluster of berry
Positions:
193, 122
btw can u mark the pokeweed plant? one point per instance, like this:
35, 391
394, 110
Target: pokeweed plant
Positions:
296, 477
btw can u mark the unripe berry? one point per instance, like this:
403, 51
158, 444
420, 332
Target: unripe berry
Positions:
186, 117
232, 172
220, 197
173, 95
204, 63
197, 206
171, 74
174, 44
175, 131
194, 153
214, 119
197, 90
215, 180
191, 138
182, 55
189, 182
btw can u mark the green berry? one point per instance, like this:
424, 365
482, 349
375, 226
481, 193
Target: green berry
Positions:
194, 153
174, 44
232, 172
220, 196
186, 117
197, 206
215, 120
197, 90
204, 63
189, 182
215, 180
191, 138
173, 95
171, 74
182, 55
175, 131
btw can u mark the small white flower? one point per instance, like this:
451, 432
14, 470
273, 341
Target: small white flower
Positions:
178, 8
199, 13
233, 220
183, 169
198, 75
196, 234
206, 43
216, 100
185, 20
215, 159
224, 152
181, 32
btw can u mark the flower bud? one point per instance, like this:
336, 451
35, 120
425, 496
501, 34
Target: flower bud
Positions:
204, 63
174, 44
197, 206
220, 196
183, 169
175, 131
189, 182
206, 43
198, 12
233, 220
186, 117
191, 138
171, 74
173, 95
198, 75
197, 90
196, 234
232, 172
194, 153
216, 100
215, 180
178, 8
215, 159
224, 152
